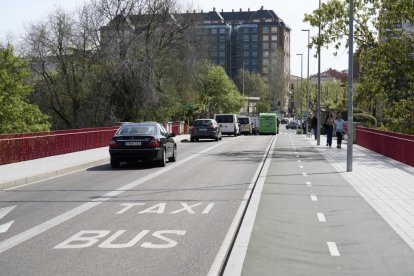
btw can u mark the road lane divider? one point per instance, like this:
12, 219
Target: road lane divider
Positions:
47, 225
230, 258
321, 217
333, 249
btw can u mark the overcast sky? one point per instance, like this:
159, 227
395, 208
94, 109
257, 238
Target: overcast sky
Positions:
14, 14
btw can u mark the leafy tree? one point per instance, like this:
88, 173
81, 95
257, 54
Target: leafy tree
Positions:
386, 82
277, 81
17, 115
218, 93
254, 86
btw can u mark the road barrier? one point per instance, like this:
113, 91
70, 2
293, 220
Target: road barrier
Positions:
394, 145
28, 146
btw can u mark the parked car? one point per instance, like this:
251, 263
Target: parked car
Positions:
148, 141
245, 125
228, 124
205, 129
293, 124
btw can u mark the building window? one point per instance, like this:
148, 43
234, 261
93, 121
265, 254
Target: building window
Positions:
246, 54
266, 30
274, 29
254, 54
265, 46
222, 31
266, 53
273, 45
265, 38
274, 37
213, 31
265, 61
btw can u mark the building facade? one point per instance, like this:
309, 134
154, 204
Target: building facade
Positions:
247, 39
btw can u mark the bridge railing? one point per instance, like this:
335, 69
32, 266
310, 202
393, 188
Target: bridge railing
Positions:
27, 146
394, 145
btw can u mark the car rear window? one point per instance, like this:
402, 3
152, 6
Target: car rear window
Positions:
138, 130
244, 121
202, 123
224, 119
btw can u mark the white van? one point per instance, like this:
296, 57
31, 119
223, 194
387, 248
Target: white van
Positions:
228, 124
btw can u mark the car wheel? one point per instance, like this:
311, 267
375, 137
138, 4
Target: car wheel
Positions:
173, 158
115, 164
163, 161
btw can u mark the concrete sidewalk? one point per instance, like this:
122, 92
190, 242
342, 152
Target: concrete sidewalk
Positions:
16, 174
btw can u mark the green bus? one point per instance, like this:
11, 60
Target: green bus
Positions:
267, 123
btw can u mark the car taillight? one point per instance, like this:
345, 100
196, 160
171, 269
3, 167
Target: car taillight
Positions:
113, 143
154, 143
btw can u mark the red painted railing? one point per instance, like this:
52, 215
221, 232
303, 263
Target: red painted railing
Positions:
394, 145
27, 146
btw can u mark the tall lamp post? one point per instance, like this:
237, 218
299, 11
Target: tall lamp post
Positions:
318, 100
307, 88
350, 141
301, 83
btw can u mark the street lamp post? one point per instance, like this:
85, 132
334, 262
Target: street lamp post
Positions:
318, 100
301, 82
307, 88
350, 88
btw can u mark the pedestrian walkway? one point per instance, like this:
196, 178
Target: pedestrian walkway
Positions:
315, 218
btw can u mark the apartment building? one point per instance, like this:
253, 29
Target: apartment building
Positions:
247, 39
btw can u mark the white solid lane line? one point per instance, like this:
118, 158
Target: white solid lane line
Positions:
333, 249
308, 183
238, 253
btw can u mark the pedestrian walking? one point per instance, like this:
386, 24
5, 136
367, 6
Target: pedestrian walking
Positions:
315, 126
308, 126
339, 128
329, 125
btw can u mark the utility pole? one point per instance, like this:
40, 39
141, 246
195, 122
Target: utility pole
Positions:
307, 88
350, 141
301, 82
318, 98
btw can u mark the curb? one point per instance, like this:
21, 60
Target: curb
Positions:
44, 176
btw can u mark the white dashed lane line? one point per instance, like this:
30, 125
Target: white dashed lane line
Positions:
321, 217
314, 198
333, 249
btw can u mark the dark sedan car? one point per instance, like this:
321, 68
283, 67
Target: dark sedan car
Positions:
147, 141
205, 128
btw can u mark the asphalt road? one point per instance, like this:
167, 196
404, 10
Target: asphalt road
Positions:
180, 220
138, 220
